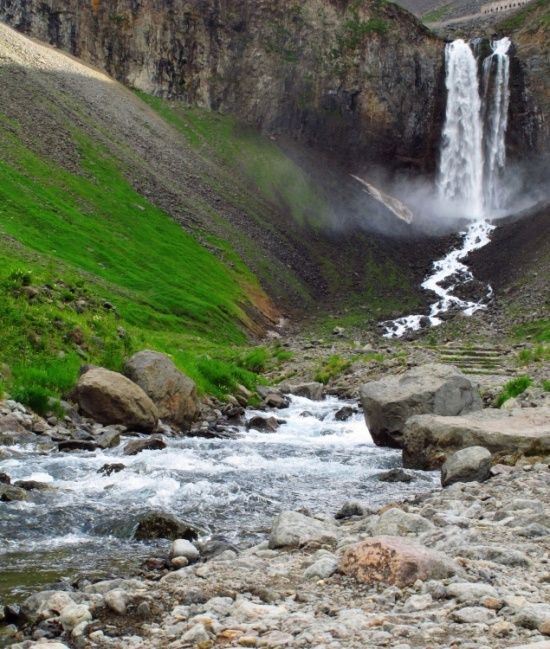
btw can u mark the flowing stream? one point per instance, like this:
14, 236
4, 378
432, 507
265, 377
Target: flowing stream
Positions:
228, 487
473, 157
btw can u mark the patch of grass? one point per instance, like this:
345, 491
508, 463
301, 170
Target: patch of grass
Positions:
545, 384
436, 15
255, 360
539, 331
519, 18
282, 355
537, 354
513, 388
333, 367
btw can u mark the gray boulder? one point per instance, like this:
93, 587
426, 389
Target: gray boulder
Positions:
313, 391
294, 530
183, 548
111, 398
434, 388
173, 393
429, 439
471, 464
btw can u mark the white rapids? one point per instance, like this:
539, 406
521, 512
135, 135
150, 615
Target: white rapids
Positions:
230, 487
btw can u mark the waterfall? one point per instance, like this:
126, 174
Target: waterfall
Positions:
461, 166
473, 152
496, 98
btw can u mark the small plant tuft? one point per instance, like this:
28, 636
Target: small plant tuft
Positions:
513, 388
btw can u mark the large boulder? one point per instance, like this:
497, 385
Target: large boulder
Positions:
471, 464
111, 398
429, 439
173, 393
434, 388
294, 530
395, 561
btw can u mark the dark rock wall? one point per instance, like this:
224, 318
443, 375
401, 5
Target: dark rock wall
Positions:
361, 81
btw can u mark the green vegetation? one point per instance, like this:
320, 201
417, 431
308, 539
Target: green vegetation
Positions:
513, 388
436, 15
539, 331
537, 354
545, 383
519, 18
334, 366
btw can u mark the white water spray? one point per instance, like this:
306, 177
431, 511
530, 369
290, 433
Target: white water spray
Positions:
461, 166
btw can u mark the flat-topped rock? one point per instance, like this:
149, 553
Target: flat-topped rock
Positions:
429, 439
429, 389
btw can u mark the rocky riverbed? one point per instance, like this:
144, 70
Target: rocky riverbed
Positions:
477, 576
332, 563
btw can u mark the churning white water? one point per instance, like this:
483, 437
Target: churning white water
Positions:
229, 487
473, 156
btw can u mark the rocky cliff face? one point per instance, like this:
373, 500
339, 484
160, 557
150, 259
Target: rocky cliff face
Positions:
359, 80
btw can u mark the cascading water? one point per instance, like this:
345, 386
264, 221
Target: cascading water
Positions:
496, 99
461, 166
473, 156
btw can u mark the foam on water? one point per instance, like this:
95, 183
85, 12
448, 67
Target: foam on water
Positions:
229, 487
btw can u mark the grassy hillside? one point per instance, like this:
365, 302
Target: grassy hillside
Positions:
129, 222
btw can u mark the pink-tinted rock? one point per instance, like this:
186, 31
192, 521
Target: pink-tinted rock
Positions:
395, 560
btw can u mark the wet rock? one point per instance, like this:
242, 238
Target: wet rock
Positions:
173, 393
396, 561
433, 388
158, 525
396, 475
76, 445
276, 401
5, 478
183, 548
9, 493
263, 424
111, 398
110, 438
215, 547
345, 413
472, 464
108, 469
102, 587
33, 485
313, 391
291, 529
154, 443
